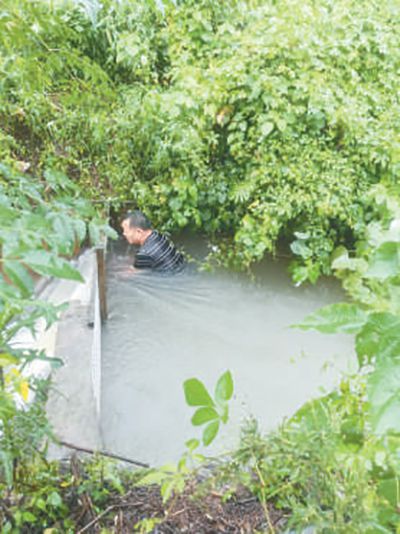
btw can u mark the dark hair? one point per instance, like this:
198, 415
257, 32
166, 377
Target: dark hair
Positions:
138, 219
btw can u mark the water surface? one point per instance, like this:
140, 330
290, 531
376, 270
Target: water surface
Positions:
163, 330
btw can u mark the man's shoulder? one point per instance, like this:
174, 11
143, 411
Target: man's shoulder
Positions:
161, 253
152, 243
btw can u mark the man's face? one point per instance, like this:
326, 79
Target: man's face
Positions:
132, 234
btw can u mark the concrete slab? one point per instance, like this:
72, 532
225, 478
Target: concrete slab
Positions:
71, 406
74, 399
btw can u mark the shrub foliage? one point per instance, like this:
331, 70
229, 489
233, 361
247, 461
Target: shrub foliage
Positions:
257, 121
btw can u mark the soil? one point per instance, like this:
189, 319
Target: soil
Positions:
199, 509
242, 514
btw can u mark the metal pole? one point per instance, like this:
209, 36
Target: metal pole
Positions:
101, 278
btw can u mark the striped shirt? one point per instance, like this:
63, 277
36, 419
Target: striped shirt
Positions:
159, 254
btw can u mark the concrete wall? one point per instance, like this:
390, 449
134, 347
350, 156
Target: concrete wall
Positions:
74, 400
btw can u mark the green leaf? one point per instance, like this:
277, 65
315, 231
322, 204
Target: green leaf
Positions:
389, 490
204, 415
342, 261
80, 229
196, 394
210, 432
65, 232
155, 477
8, 408
7, 216
58, 180
7, 291
41, 504
28, 517
18, 274
95, 233
383, 389
266, 128
384, 262
300, 248
110, 232
380, 337
173, 485
46, 263
224, 387
54, 499
315, 413
192, 444
336, 318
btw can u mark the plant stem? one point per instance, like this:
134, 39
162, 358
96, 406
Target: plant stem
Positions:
271, 529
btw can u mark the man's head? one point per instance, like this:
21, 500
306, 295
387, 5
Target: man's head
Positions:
136, 227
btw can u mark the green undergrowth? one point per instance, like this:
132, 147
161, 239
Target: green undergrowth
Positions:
61, 497
254, 122
258, 123
45, 221
324, 468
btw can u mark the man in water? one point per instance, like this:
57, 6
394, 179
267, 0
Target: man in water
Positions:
156, 252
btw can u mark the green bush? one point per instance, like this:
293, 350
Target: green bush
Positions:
323, 468
244, 119
44, 220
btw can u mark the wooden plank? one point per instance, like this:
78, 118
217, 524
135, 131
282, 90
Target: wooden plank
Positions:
101, 278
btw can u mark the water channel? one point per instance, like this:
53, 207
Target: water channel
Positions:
163, 330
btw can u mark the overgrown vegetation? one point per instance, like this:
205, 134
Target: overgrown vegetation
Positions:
260, 123
257, 121
44, 221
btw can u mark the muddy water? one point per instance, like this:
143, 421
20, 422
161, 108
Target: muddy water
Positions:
163, 330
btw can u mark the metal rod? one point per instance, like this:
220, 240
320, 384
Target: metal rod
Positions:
103, 453
101, 278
